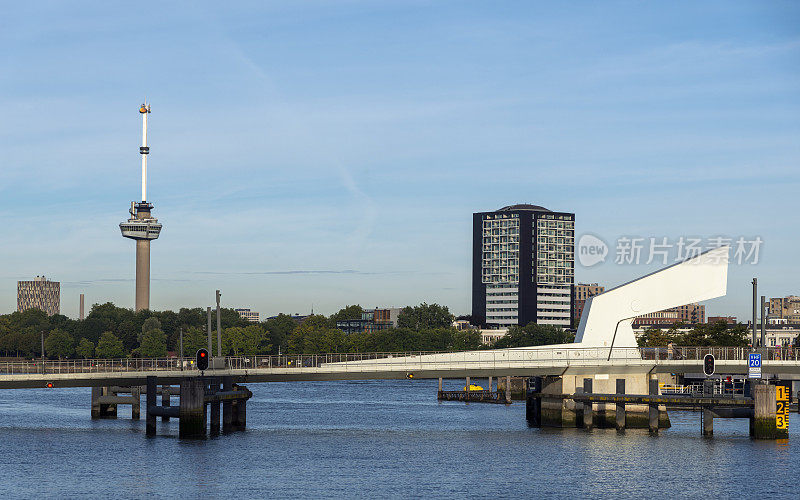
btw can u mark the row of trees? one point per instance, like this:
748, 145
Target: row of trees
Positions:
701, 334
111, 332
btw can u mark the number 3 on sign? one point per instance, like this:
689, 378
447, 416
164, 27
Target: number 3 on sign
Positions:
780, 421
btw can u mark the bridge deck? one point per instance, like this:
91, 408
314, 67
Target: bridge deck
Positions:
498, 362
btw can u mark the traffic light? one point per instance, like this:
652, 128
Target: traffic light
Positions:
202, 359
708, 365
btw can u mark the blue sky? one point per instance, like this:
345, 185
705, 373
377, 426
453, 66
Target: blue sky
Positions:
330, 153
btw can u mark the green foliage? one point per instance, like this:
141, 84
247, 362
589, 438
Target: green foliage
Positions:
59, 344
278, 330
314, 335
656, 337
154, 344
194, 338
109, 346
533, 335
84, 349
425, 316
347, 312
244, 341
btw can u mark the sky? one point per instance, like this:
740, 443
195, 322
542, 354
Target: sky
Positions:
320, 153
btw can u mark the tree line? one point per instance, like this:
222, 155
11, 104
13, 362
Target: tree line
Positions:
114, 332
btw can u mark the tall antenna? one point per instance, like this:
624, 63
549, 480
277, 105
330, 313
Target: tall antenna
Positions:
144, 150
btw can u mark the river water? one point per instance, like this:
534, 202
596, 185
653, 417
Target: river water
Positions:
376, 439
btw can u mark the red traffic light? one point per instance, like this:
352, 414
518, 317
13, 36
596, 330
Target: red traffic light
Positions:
708, 365
49, 385
202, 359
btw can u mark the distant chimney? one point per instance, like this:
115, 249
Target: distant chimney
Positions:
80, 313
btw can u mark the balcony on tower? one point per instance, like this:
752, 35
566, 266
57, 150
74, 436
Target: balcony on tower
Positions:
142, 225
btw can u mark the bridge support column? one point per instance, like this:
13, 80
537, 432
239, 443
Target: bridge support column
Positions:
239, 410
653, 412
508, 389
215, 407
490, 388
440, 385
620, 421
533, 405
763, 424
708, 422
468, 384
150, 403
588, 408
192, 408
227, 406
136, 394
165, 400
102, 410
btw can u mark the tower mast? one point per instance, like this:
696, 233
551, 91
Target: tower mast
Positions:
144, 150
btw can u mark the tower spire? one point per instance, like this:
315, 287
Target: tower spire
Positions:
144, 150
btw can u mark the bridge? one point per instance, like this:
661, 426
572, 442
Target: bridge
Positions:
521, 362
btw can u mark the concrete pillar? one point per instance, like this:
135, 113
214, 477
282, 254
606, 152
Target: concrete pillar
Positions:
215, 408
142, 275
490, 384
440, 384
165, 400
239, 411
96, 393
708, 422
620, 421
227, 406
588, 408
508, 389
653, 408
192, 408
149, 405
468, 384
136, 394
763, 424
533, 405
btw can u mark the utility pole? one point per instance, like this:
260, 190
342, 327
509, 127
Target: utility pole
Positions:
43, 372
219, 327
755, 306
208, 329
763, 324
180, 358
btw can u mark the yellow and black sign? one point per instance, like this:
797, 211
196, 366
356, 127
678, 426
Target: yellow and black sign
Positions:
782, 407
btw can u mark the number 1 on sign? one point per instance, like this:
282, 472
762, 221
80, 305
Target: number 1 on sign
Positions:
782, 393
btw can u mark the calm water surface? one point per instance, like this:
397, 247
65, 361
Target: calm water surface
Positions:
375, 439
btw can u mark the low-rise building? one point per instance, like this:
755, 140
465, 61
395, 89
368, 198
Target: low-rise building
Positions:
371, 320
490, 336
251, 316
785, 307
582, 292
689, 314
730, 320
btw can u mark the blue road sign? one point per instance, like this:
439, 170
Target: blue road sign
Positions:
754, 365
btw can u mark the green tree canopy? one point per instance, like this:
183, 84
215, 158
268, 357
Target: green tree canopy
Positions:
425, 316
84, 349
314, 335
533, 335
347, 312
278, 330
154, 344
59, 344
109, 346
243, 341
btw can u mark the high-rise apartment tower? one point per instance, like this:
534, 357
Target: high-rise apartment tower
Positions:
523, 266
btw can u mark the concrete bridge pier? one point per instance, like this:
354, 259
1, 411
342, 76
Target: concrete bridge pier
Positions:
227, 406
215, 408
238, 412
763, 423
653, 410
533, 405
192, 409
165, 393
101, 408
588, 408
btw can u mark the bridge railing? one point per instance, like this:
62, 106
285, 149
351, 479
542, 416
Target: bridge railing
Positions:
416, 359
